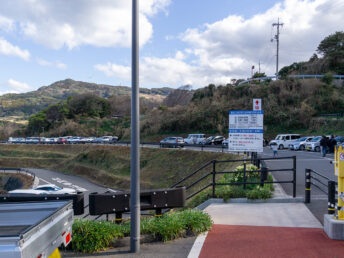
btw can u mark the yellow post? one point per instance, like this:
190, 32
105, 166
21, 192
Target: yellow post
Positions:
339, 170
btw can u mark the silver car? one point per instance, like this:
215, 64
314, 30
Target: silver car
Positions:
173, 142
314, 144
300, 144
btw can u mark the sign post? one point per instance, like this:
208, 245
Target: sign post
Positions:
245, 131
257, 104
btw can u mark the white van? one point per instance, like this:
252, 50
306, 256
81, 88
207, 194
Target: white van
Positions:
197, 138
283, 140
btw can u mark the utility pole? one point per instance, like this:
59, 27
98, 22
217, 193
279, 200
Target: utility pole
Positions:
278, 24
135, 135
259, 66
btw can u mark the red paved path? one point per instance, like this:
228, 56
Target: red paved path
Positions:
257, 241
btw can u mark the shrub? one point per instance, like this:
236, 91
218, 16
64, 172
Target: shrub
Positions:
94, 236
239, 177
259, 193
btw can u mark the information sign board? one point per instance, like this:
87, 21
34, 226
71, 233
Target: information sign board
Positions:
245, 131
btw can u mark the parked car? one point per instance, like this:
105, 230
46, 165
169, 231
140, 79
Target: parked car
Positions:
172, 142
195, 139
74, 140
314, 144
107, 139
32, 140
62, 140
225, 143
300, 144
214, 140
54, 189
27, 191
283, 140
16, 140
339, 140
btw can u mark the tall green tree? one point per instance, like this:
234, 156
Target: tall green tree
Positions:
332, 47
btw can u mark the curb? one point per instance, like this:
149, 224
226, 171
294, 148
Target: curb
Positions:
245, 200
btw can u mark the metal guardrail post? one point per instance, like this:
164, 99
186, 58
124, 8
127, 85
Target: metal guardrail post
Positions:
307, 185
245, 175
294, 176
263, 175
214, 174
331, 197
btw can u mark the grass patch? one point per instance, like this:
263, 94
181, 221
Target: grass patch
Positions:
110, 165
95, 236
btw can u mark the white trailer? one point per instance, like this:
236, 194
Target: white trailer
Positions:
34, 229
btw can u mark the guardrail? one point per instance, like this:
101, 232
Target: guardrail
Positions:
324, 184
118, 203
19, 170
209, 169
302, 76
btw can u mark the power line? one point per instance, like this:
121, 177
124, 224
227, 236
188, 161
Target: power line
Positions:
278, 24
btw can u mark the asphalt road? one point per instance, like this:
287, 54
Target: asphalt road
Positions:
68, 181
312, 160
304, 159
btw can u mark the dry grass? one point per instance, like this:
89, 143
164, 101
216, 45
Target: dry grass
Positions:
110, 165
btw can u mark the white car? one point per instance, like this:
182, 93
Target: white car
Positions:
27, 191
195, 139
54, 189
283, 140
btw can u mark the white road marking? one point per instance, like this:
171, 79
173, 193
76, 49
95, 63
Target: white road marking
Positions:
65, 182
45, 181
112, 190
197, 246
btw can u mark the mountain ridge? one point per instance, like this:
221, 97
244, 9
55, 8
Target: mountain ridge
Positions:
28, 103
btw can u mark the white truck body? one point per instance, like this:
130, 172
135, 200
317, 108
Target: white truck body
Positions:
34, 229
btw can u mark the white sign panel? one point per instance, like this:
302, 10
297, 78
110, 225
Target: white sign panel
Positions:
257, 104
245, 131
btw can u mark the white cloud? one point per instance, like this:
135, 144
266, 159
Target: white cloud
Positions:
103, 23
6, 24
56, 64
6, 48
306, 23
17, 87
228, 48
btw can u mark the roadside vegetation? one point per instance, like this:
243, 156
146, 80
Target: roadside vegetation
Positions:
94, 236
227, 192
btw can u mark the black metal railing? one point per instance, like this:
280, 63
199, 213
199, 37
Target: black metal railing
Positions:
322, 183
211, 170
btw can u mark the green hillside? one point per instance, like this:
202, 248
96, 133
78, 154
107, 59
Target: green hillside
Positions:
26, 104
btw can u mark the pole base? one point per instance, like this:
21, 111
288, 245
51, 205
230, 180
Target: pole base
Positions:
333, 228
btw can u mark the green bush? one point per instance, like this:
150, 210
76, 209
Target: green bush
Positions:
239, 177
259, 193
94, 236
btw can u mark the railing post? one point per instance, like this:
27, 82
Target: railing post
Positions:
307, 185
214, 174
263, 175
294, 176
331, 197
245, 175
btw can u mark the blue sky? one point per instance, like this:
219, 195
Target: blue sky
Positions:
182, 42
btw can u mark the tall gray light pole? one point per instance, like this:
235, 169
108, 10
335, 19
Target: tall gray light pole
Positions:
278, 24
135, 136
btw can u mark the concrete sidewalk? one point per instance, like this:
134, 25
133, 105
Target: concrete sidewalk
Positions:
268, 228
